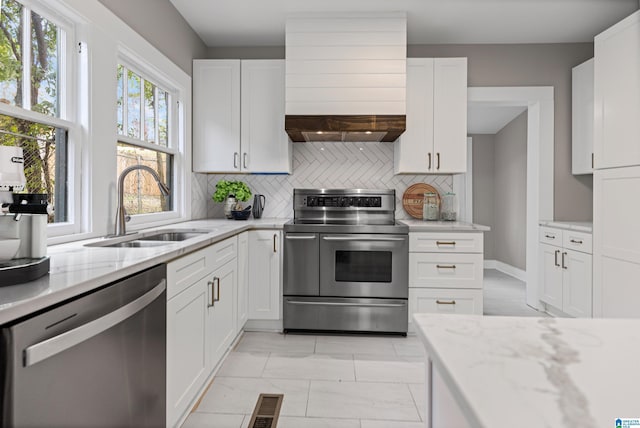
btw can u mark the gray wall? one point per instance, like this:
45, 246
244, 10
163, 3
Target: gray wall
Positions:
510, 195
510, 65
165, 29
483, 194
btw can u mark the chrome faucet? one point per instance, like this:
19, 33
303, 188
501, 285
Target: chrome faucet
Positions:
121, 214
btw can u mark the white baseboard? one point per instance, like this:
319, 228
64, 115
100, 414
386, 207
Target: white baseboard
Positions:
506, 268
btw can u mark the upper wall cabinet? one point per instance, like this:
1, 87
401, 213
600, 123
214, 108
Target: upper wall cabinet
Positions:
238, 117
436, 137
617, 94
582, 118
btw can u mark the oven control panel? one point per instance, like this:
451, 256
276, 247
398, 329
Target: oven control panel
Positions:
344, 201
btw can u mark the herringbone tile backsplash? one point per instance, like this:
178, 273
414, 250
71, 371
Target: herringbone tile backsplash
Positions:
319, 165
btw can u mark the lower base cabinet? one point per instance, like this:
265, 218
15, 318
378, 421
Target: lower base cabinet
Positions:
221, 311
187, 357
265, 273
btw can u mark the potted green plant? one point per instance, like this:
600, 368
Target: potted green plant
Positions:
231, 193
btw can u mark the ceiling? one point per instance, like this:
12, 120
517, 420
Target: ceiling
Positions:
229, 23
490, 120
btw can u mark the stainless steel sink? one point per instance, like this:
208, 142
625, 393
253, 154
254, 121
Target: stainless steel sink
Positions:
135, 244
150, 239
171, 236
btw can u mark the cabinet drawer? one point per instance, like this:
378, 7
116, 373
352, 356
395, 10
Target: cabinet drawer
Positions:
446, 242
578, 241
549, 235
223, 251
444, 301
445, 270
183, 272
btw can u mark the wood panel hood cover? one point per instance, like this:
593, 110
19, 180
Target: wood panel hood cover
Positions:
343, 128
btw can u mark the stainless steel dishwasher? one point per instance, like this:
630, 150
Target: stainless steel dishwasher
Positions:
98, 360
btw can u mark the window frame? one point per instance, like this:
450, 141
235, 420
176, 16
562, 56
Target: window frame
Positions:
175, 141
67, 114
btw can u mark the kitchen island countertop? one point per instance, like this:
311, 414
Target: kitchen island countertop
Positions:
76, 269
536, 372
416, 225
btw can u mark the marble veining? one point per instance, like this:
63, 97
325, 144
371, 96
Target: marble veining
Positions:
571, 401
533, 372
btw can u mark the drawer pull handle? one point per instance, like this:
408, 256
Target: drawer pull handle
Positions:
446, 266
575, 241
550, 236
445, 242
446, 302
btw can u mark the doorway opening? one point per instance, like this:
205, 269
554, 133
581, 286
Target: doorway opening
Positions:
538, 102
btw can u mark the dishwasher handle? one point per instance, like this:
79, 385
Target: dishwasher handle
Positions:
50, 347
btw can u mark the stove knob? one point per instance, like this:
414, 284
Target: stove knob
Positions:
365, 202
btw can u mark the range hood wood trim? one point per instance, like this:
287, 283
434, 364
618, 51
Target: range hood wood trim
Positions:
392, 125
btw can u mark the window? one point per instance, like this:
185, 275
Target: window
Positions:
144, 138
32, 114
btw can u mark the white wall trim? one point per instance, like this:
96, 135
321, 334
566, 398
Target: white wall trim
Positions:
463, 187
540, 146
506, 269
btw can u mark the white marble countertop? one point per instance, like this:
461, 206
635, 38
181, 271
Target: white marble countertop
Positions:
581, 226
76, 269
416, 225
536, 372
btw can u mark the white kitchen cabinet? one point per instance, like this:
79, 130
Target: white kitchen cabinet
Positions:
216, 115
243, 281
201, 320
238, 117
187, 353
616, 242
566, 271
435, 140
265, 291
617, 94
445, 273
221, 311
582, 115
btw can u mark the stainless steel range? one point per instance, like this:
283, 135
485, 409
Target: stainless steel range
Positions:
346, 262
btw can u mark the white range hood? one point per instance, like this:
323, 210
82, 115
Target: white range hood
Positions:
346, 77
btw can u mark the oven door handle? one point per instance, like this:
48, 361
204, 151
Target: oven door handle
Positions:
300, 237
371, 305
53, 346
347, 238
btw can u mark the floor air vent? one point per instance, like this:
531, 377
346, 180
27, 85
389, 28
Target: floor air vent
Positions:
267, 410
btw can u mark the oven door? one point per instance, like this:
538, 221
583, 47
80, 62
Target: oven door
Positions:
364, 265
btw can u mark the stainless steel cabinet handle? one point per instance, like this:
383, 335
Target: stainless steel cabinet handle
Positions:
549, 236
556, 258
445, 242
213, 298
575, 241
563, 265
446, 266
275, 235
218, 299
438, 159
300, 237
50, 347
235, 160
368, 305
446, 302
429, 161
345, 238
244, 160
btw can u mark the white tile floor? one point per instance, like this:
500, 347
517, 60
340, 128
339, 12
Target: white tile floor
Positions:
335, 381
